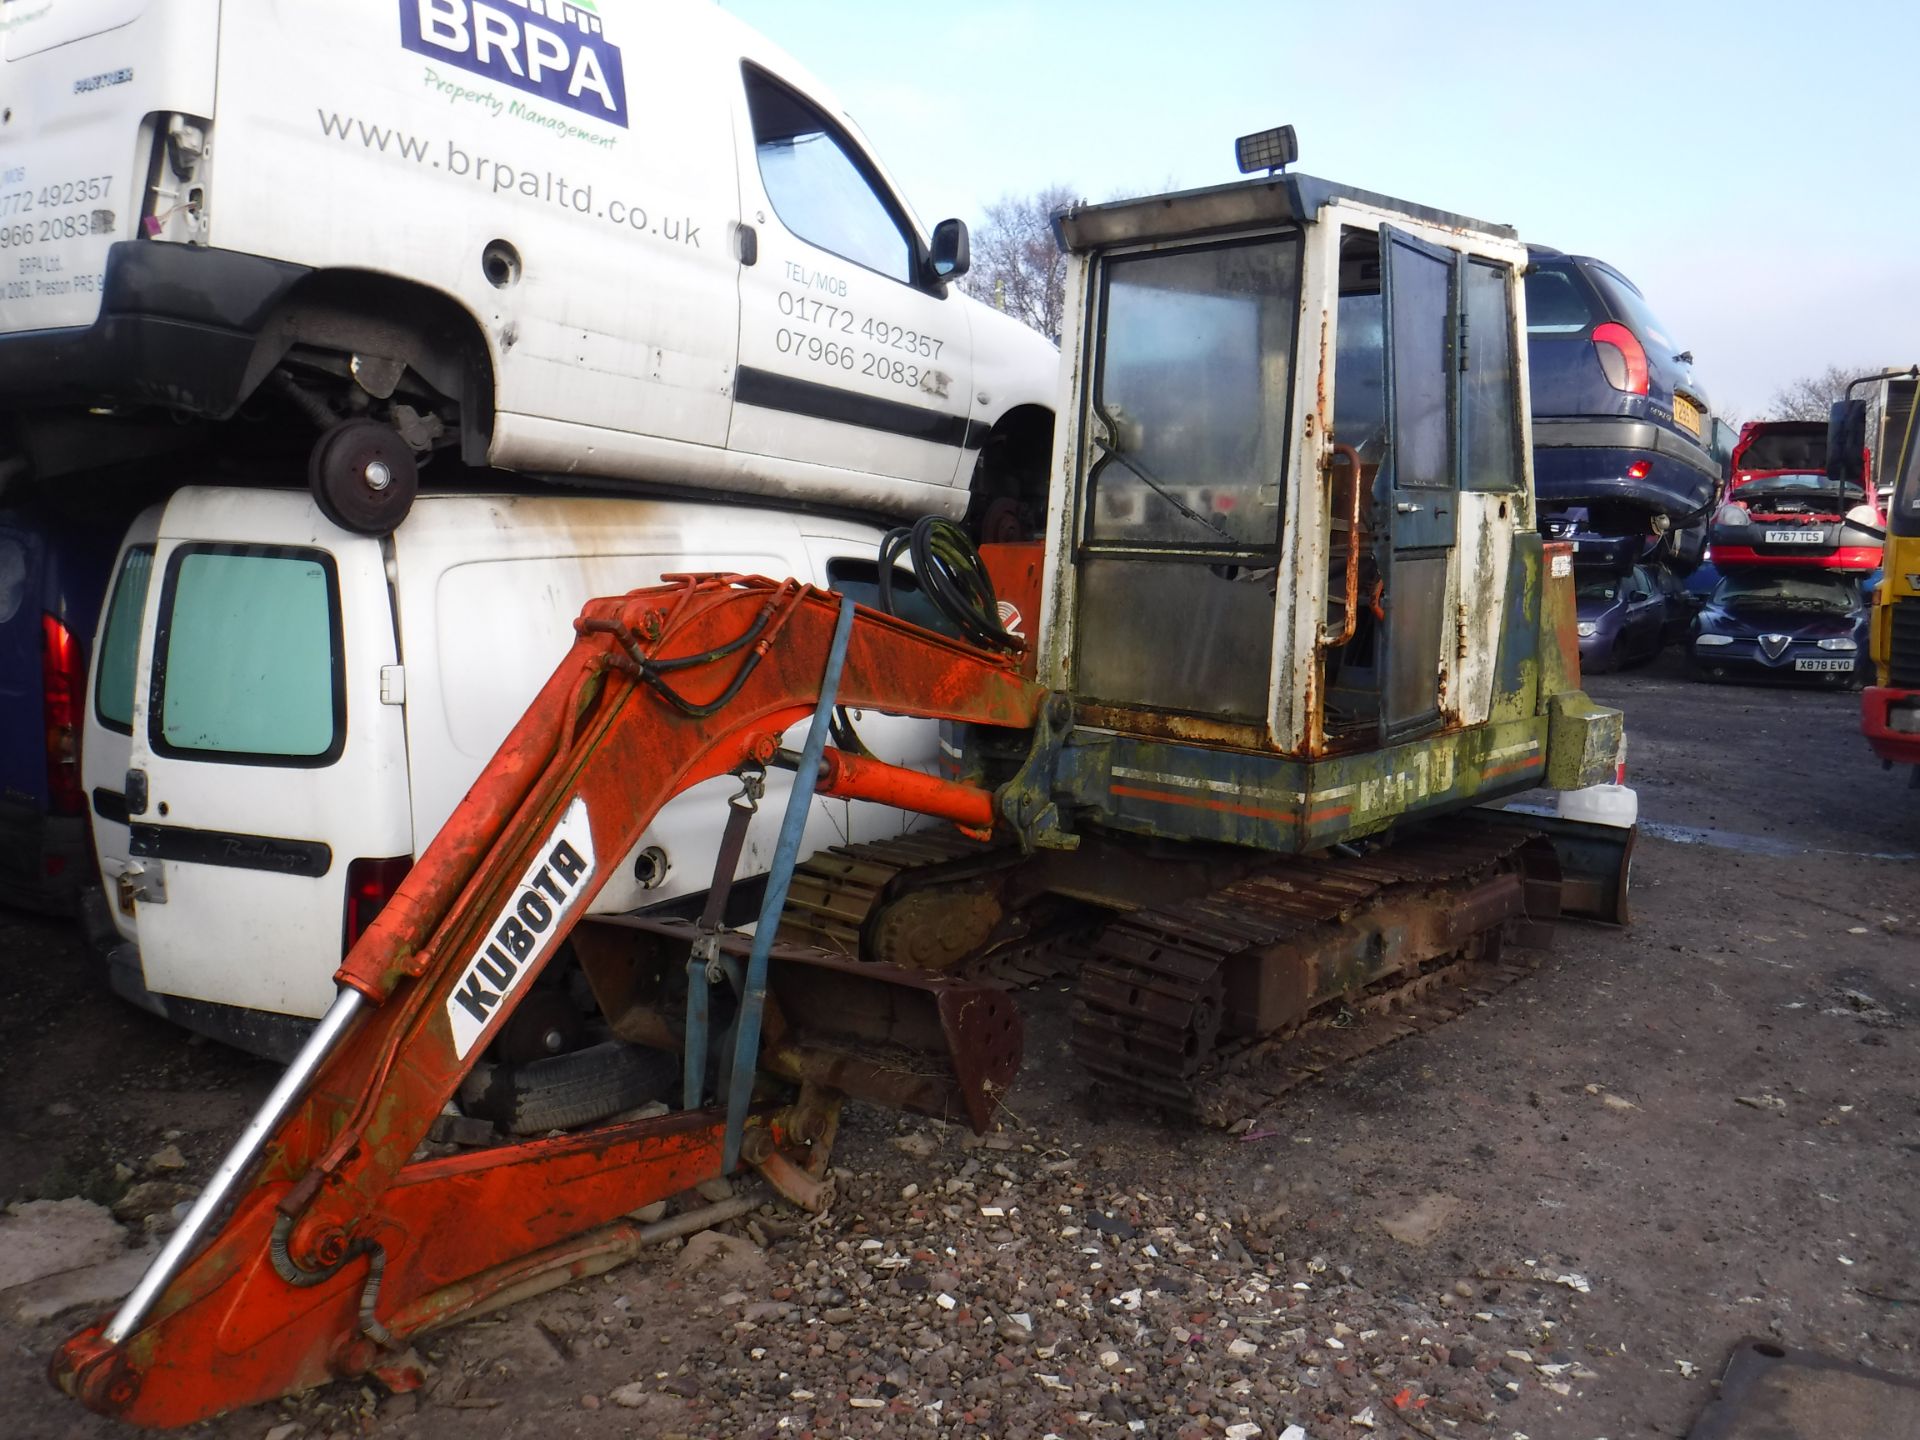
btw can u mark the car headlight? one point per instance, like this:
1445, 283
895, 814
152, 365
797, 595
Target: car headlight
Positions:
1714, 640
1733, 515
1586, 628
1839, 642
1904, 718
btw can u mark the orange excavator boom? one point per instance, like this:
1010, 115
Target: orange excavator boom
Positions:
322, 1244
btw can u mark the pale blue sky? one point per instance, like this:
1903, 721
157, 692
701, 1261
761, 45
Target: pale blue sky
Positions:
1742, 162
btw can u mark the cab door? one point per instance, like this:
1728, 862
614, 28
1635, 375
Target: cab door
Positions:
852, 355
1418, 478
263, 760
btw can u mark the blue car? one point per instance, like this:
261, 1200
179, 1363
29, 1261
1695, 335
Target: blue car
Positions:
1620, 427
53, 575
1621, 619
1807, 628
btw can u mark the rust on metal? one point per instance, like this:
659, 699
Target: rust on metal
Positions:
902, 1038
1167, 990
1350, 614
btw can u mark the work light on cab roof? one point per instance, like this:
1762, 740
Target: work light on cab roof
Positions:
1269, 150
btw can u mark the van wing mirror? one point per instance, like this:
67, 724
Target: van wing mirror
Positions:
949, 255
1847, 442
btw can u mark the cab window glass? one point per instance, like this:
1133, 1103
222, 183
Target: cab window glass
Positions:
247, 657
120, 641
818, 185
1191, 401
1487, 388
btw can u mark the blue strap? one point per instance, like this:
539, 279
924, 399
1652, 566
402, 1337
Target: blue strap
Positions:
746, 1037
693, 1073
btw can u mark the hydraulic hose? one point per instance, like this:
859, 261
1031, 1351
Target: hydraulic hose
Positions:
951, 575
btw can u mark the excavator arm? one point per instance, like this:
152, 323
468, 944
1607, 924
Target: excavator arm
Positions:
322, 1244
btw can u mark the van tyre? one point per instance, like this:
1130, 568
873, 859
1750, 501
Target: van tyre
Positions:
577, 1088
363, 476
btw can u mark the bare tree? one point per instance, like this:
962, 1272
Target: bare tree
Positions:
1810, 396
1017, 268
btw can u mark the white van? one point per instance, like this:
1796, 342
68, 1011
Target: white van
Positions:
559, 237
283, 713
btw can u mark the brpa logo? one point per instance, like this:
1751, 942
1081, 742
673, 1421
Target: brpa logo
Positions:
550, 48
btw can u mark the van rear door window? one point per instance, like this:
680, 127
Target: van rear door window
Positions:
247, 657
120, 640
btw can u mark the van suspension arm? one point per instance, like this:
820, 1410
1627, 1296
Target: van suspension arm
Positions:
321, 1245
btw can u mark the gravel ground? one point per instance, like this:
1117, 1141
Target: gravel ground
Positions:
1552, 1217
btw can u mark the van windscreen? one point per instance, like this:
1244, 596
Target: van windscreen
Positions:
120, 640
247, 657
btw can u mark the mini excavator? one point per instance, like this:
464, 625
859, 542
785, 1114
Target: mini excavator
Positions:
1217, 755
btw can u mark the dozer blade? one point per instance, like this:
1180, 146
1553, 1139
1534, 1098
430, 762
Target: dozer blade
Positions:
1595, 861
896, 1037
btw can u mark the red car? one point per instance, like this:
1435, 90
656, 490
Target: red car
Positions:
1782, 509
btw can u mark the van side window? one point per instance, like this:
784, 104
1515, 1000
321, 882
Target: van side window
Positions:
247, 657
859, 580
120, 640
819, 184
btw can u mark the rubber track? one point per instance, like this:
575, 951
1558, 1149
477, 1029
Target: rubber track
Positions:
1142, 1012
835, 890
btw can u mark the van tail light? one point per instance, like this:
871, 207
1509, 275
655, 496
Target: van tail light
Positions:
370, 885
63, 682
1621, 357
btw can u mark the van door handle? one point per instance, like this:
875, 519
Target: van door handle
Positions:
136, 792
746, 243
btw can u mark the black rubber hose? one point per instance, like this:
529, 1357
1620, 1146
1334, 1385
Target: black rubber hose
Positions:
952, 577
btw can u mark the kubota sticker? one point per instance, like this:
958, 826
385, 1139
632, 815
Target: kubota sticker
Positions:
517, 938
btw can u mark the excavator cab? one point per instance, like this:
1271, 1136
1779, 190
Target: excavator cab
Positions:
1292, 551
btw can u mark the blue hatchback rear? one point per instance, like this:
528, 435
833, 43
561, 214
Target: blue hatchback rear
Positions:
1619, 424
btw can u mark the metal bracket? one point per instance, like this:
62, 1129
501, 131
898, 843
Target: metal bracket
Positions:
1026, 801
144, 881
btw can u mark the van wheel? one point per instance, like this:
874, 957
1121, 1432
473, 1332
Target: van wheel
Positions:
572, 1089
363, 476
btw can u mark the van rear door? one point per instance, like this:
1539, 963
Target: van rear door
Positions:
263, 761
106, 744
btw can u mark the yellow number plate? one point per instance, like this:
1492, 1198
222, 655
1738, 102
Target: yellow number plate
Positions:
1686, 415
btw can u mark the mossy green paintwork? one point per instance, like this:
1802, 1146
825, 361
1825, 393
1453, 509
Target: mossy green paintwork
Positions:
1542, 730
